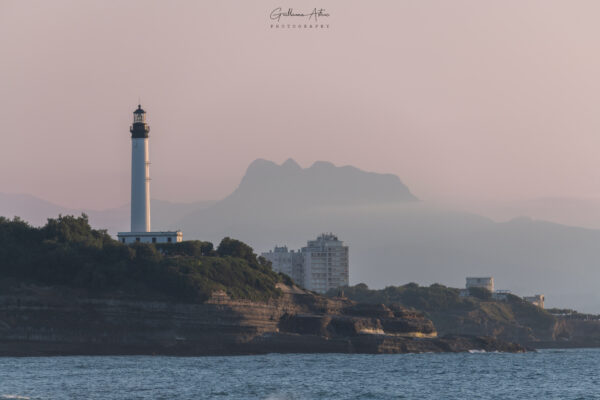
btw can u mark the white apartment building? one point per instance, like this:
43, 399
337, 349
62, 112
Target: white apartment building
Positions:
287, 262
320, 266
325, 263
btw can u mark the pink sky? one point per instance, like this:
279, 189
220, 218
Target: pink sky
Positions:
464, 100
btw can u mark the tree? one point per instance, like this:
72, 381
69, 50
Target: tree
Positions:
235, 248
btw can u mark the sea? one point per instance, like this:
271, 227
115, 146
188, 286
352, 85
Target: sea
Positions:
546, 374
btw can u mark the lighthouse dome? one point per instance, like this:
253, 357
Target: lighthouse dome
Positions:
139, 110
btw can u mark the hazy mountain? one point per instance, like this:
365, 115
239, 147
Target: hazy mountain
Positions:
394, 239
583, 212
319, 185
30, 208
36, 211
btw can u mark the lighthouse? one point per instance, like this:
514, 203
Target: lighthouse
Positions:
140, 188
140, 173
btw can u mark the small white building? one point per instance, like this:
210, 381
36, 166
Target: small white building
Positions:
150, 237
501, 295
481, 282
536, 300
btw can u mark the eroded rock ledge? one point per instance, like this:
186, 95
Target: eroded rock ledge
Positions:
53, 321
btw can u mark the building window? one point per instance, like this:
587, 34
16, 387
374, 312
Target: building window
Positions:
137, 239
123, 240
153, 240
169, 240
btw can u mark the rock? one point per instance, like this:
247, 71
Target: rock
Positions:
57, 321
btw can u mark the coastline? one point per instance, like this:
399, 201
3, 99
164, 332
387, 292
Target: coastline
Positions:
37, 321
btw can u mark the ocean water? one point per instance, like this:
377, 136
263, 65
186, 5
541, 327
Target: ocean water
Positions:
547, 374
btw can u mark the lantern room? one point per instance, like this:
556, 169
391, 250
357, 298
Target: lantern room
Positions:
139, 115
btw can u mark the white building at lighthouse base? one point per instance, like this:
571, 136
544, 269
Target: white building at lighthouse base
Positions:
150, 237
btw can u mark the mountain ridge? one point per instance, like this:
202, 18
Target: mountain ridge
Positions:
329, 184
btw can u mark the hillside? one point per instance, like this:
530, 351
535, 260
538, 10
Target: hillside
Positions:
512, 319
68, 252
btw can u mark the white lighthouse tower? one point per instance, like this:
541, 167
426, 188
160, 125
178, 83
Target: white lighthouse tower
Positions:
140, 188
140, 173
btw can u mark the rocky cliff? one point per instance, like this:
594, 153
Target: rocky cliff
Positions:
573, 332
38, 320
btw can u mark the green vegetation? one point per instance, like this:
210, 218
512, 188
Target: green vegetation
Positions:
433, 298
479, 314
68, 252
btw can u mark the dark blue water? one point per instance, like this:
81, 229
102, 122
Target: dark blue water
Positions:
548, 374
